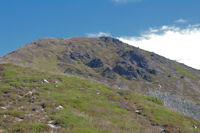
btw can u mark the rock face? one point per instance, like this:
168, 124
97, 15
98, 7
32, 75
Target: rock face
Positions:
124, 69
76, 56
135, 58
144, 75
95, 63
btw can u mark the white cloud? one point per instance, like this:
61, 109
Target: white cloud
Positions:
181, 20
180, 44
125, 1
100, 34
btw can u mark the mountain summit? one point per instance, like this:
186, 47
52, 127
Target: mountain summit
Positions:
116, 64
106, 59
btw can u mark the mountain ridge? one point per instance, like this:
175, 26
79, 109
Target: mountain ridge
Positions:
116, 64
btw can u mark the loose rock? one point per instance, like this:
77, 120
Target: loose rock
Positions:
59, 107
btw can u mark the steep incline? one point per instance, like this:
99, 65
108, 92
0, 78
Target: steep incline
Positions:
116, 64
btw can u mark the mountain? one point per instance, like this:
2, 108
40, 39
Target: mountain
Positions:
118, 65
33, 101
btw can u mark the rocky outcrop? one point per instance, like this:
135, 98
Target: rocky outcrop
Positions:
125, 69
111, 40
108, 73
144, 75
152, 71
76, 56
135, 57
95, 63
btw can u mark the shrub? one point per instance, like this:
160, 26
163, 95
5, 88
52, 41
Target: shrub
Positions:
38, 127
155, 100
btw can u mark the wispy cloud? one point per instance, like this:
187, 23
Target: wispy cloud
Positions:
180, 44
99, 34
125, 1
181, 21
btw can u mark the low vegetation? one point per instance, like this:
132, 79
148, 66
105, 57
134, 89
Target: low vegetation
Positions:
31, 101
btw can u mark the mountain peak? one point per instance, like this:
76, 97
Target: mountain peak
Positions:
114, 63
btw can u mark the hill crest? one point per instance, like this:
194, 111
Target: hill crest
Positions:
114, 63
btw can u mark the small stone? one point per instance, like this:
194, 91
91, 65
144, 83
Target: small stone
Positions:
50, 122
59, 107
5, 116
137, 111
18, 119
30, 93
2, 131
20, 96
3, 108
34, 109
51, 125
194, 126
46, 81
5, 92
22, 107
153, 123
28, 115
43, 105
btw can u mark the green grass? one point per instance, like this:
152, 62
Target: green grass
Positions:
38, 127
87, 106
183, 71
155, 100
163, 115
89, 130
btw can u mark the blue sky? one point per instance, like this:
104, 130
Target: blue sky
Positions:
23, 21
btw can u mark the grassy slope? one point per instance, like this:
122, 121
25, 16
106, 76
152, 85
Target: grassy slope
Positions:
87, 106
43, 55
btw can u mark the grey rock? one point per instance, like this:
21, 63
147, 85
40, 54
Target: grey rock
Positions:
135, 57
177, 103
95, 63
108, 73
125, 69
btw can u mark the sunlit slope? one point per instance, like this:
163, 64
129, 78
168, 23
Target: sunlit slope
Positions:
116, 64
42, 102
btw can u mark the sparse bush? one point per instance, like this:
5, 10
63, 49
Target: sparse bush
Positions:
155, 100
38, 127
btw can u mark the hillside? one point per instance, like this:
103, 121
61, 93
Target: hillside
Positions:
117, 65
32, 101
